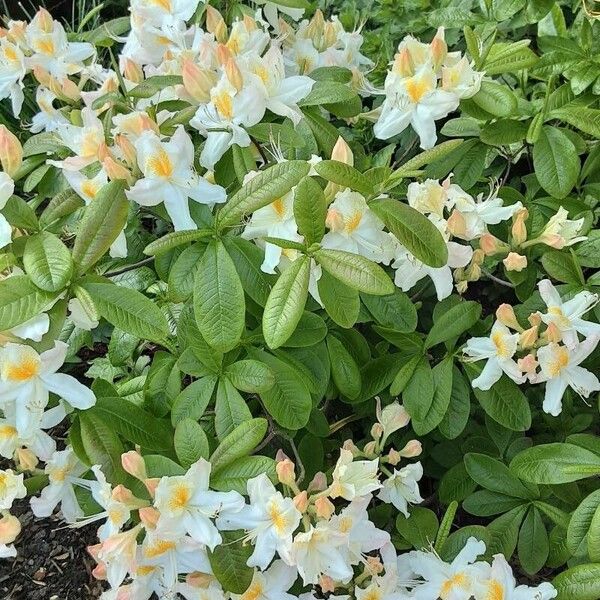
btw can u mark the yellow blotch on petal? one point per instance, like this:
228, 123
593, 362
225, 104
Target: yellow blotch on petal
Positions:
561, 360
253, 592
180, 497
417, 87
460, 580
495, 590
159, 547
160, 164
498, 339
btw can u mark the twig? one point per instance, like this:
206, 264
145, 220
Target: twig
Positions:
299, 462
498, 280
131, 267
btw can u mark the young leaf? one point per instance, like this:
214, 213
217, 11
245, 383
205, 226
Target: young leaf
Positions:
47, 261
193, 400
20, 301
240, 442
344, 175
250, 376
310, 210
191, 443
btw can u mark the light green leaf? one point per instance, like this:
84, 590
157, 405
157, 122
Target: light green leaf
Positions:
240, 442
310, 210
20, 301
231, 409
344, 175
235, 476
191, 443
193, 400
250, 376
581, 582
47, 261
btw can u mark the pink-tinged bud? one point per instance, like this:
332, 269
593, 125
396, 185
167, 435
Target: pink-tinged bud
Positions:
334, 220
26, 459
250, 23
99, 572
403, 64
318, 483
234, 75
553, 333
286, 472
223, 54
132, 71
103, 152
324, 508
519, 229
151, 485
370, 448
377, 431
412, 449
197, 82
70, 90
215, 24
456, 223
342, 152
439, 48
506, 315
127, 149
149, 517
490, 244
478, 257
301, 501
94, 551
11, 151
351, 447
394, 457
133, 463
528, 364
327, 584
10, 527
122, 494
554, 240
316, 27
199, 580
42, 76
116, 171
535, 319
462, 286
44, 20
529, 337
374, 565
515, 262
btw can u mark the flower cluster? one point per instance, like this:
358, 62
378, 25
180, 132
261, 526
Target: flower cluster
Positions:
550, 351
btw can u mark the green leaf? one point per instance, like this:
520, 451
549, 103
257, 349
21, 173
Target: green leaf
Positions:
341, 302
442, 389
556, 162
103, 220
48, 262
219, 304
193, 400
509, 57
102, 446
456, 417
328, 92
183, 271
250, 376
228, 562
129, 310
344, 370
581, 520
504, 531
344, 175
19, 214
231, 409
20, 301
533, 546
562, 266
493, 475
395, 311
355, 271
496, 99
310, 210
404, 375
286, 303
240, 442
452, 322
311, 330
555, 463
269, 185
153, 85
424, 158
288, 401
420, 528
235, 476
191, 443
581, 582
419, 391
174, 239
413, 230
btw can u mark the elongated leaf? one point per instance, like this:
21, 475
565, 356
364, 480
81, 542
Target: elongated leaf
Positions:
344, 370
452, 322
310, 210
581, 582
228, 562
341, 302
231, 409
175, 238
344, 175
250, 376
240, 442
236, 475
191, 443
193, 400
102, 445
48, 262
20, 301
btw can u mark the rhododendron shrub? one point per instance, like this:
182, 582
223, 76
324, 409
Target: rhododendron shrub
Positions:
284, 316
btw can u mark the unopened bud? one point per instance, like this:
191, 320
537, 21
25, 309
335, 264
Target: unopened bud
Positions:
519, 229
316, 27
286, 472
44, 20
318, 483
535, 319
439, 48
403, 64
527, 364
223, 54
374, 565
133, 463
250, 23
26, 459
377, 431
132, 71
553, 333
505, 313
342, 152
11, 151
197, 81
529, 337
122, 494
103, 152
515, 262
326, 584
412, 449
394, 457
234, 75
199, 580
116, 171
149, 516
370, 448
127, 149
215, 23
70, 90
456, 223
151, 485
351, 447
324, 508
10, 527
491, 245
42, 76
301, 501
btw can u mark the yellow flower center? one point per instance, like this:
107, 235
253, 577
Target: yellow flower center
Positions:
159, 547
459, 580
160, 164
164, 4
89, 189
499, 340
7, 431
224, 104
45, 46
557, 312
495, 590
278, 518
561, 360
253, 592
10, 54
353, 222
279, 207
180, 498
262, 73
27, 368
416, 88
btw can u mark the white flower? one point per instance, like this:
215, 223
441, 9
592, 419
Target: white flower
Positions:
49, 118
402, 488
271, 10
499, 350
392, 417
272, 584
560, 369
353, 227
26, 378
352, 479
7, 187
567, 316
501, 584
64, 470
12, 72
169, 177
269, 519
461, 79
213, 591
164, 13
11, 488
560, 232
452, 581
79, 316
320, 551
186, 504
428, 197
34, 329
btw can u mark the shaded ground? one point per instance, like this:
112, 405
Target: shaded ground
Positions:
52, 561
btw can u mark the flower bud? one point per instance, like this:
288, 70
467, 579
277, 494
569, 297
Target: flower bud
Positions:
133, 463
149, 516
462, 286
44, 20
26, 459
250, 23
370, 448
69, 90
199, 580
42, 76
127, 149
11, 151
122, 494
528, 364
394, 457
151, 485
301, 501
324, 508
215, 23
553, 333
10, 527
529, 337
286, 472
131, 70
535, 318
403, 64
342, 152
318, 483
491, 245
351, 447
234, 75
198, 82
412, 449
334, 220
506, 315
326, 584
316, 27
393, 417
115, 170
376, 431
515, 262
519, 230
456, 223
439, 48
374, 565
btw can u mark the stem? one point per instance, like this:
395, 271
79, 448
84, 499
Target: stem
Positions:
497, 279
131, 267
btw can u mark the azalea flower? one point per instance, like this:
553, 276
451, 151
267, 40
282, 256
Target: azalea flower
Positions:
560, 369
49, 118
117, 556
561, 232
26, 378
7, 187
461, 79
64, 470
11, 488
272, 584
270, 521
567, 316
352, 479
402, 487
213, 591
10, 527
169, 177
353, 227
501, 584
271, 10
428, 197
499, 350
452, 581
186, 504
12, 72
